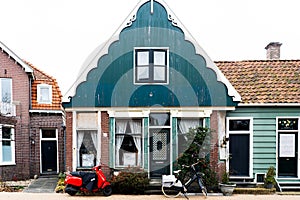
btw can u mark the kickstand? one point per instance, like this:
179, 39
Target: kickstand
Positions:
185, 196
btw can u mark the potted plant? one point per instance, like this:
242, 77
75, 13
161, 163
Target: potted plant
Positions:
226, 187
270, 178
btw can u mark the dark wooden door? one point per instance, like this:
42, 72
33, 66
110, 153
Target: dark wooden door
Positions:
288, 154
49, 156
239, 151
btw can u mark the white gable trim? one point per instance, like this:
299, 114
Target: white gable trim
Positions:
26, 67
102, 50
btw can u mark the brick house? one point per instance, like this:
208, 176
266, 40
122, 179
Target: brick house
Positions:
31, 120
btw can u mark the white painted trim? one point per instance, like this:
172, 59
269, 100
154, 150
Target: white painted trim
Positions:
26, 67
250, 132
269, 104
47, 111
45, 86
49, 139
100, 138
74, 142
111, 110
101, 50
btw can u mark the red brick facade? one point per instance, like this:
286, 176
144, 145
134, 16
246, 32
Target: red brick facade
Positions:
26, 126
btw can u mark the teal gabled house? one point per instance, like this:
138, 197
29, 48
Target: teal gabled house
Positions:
139, 92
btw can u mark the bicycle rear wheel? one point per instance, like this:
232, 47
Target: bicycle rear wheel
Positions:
170, 192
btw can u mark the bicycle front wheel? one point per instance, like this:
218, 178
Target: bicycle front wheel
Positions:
170, 192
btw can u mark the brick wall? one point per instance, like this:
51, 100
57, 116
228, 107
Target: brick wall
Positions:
40, 121
69, 141
21, 96
217, 121
105, 142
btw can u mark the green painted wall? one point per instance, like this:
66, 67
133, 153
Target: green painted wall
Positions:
191, 82
264, 132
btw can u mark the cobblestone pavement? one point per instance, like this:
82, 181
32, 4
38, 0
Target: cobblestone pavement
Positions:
55, 196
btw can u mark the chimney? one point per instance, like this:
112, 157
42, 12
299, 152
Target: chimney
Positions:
273, 50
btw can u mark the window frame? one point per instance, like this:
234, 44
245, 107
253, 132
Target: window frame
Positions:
12, 140
151, 65
40, 100
246, 132
140, 135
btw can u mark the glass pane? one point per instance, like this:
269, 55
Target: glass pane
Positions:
159, 73
288, 124
159, 58
44, 95
239, 125
142, 73
48, 134
6, 133
87, 145
6, 151
6, 90
143, 58
159, 119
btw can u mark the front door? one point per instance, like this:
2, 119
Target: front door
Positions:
287, 148
159, 152
239, 154
48, 151
49, 156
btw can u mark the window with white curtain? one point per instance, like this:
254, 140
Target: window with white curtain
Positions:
87, 147
128, 146
183, 127
44, 94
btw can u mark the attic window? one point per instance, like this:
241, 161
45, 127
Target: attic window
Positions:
44, 94
151, 66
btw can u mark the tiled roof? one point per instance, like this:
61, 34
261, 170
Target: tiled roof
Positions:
264, 81
43, 78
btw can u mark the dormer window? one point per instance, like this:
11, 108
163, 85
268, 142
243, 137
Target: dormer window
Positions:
44, 94
151, 66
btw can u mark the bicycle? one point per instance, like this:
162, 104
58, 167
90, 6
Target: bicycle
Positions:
172, 187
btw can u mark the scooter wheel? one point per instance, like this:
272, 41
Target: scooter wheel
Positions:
107, 191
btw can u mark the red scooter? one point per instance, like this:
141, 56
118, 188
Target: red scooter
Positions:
87, 182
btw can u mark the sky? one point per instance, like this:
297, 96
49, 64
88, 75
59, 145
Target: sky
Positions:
57, 36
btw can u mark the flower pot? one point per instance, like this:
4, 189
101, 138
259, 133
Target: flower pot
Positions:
227, 189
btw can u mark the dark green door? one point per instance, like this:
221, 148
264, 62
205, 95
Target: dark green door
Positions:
239, 154
159, 152
49, 156
288, 154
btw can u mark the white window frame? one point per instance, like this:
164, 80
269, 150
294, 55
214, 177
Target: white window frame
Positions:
12, 140
40, 100
250, 133
49, 139
151, 66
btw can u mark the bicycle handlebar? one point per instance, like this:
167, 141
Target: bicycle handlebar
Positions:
188, 166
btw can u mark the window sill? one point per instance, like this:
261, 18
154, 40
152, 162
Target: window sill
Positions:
7, 164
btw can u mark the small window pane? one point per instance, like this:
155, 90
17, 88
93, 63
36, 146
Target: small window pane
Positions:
239, 125
6, 133
44, 95
159, 58
6, 151
142, 73
160, 119
288, 124
159, 74
143, 58
48, 134
6, 90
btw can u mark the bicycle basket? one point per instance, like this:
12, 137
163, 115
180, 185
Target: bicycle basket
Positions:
168, 180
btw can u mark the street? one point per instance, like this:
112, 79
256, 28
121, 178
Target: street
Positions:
55, 196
